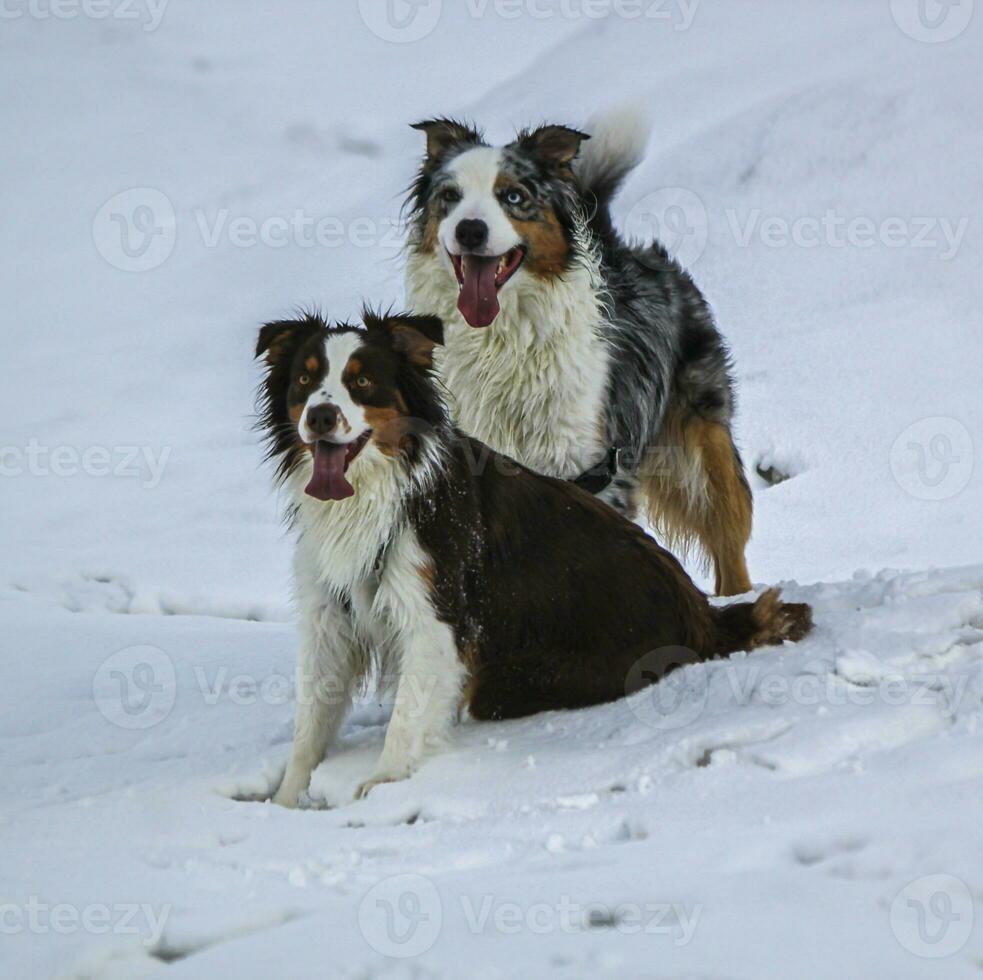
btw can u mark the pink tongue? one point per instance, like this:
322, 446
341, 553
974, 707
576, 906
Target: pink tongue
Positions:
328, 481
478, 299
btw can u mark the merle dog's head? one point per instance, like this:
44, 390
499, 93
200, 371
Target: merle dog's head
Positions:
337, 395
494, 215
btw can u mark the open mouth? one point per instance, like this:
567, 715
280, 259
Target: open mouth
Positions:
331, 462
480, 277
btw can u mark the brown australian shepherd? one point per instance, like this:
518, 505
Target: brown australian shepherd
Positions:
468, 579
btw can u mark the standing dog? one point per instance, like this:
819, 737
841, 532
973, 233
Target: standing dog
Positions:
470, 579
582, 356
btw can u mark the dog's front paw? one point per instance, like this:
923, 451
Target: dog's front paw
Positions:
381, 776
290, 794
286, 799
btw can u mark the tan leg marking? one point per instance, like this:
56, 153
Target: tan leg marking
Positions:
694, 491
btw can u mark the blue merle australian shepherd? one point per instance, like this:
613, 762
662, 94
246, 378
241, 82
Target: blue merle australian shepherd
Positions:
580, 355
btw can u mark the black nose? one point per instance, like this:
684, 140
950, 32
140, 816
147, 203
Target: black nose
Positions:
471, 233
321, 419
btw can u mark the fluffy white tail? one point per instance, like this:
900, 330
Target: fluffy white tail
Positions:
618, 138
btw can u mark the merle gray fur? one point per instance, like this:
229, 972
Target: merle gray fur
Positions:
669, 361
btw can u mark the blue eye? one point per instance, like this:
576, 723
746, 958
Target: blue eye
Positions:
515, 197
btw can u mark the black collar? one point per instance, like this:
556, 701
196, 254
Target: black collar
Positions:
600, 476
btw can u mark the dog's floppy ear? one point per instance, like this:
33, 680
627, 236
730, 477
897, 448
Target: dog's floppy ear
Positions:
556, 146
444, 134
411, 335
282, 337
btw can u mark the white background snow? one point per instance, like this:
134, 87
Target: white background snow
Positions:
810, 812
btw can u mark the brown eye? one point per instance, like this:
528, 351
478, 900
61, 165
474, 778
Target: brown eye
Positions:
451, 195
362, 381
304, 379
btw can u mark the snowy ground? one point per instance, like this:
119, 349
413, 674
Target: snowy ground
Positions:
812, 811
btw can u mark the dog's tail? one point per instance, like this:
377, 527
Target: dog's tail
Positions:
618, 138
768, 620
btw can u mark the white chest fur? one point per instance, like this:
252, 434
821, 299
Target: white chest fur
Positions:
341, 541
389, 620
531, 385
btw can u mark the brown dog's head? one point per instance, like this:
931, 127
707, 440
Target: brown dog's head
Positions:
332, 393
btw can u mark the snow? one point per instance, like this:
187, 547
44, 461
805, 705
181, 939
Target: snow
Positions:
807, 811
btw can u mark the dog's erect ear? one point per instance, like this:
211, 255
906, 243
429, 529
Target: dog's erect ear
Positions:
413, 336
556, 146
416, 337
283, 337
444, 135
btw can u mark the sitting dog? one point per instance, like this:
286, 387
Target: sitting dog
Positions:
580, 355
426, 558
